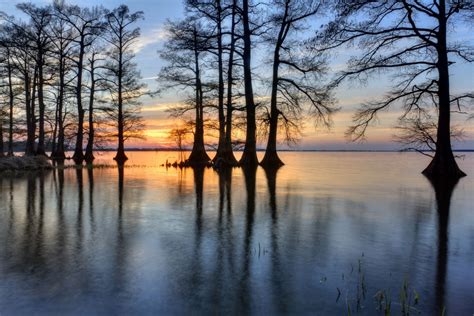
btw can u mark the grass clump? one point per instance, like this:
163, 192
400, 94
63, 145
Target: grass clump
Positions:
24, 163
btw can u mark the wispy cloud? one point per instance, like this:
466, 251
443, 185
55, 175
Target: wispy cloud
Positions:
151, 37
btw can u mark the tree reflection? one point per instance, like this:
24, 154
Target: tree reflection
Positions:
271, 175
277, 269
121, 246
90, 177
80, 207
250, 173
443, 192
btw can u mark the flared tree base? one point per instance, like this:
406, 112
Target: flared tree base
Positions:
120, 157
41, 152
249, 159
78, 157
443, 168
271, 161
198, 157
225, 158
89, 157
58, 155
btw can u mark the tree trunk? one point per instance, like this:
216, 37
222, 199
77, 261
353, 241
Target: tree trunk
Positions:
120, 157
78, 154
89, 157
59, 152
198, 154
271, 159
443, 164
249, 157
221, 145
2, 149
30, 113
40, 150
228, 157
10, 110
54, 137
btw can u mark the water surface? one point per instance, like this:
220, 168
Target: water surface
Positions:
325, 233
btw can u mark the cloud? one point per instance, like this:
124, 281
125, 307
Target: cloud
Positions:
151, 37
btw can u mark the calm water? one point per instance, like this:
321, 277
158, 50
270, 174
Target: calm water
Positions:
325, 233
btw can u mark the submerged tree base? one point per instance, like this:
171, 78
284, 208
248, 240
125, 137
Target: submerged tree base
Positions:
271, 161
198, 157
25, 163
443, 167
89, 157
58, 156
249, 159
78, 157
120, 157
225, 159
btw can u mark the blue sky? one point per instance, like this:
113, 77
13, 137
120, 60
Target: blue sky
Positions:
349, 95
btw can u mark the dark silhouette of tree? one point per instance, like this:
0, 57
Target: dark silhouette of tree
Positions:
87, 27
23, 63
40, 40
122, 77
227, 153
178, 136
95, 80
249, 156
296, 74
183, 52
8, 69
62, 51
412, 38
213, 12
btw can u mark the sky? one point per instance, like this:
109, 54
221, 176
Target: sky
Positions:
349, 96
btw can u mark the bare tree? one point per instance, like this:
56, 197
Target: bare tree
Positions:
183, 51
228, 153
94, 61
179, 135
409, 37
7, 52
214, 13
122, 77
87, 26
296, 75
63, 34
23, 61
249, 156
40, 18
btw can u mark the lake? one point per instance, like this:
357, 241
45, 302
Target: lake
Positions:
328, 233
